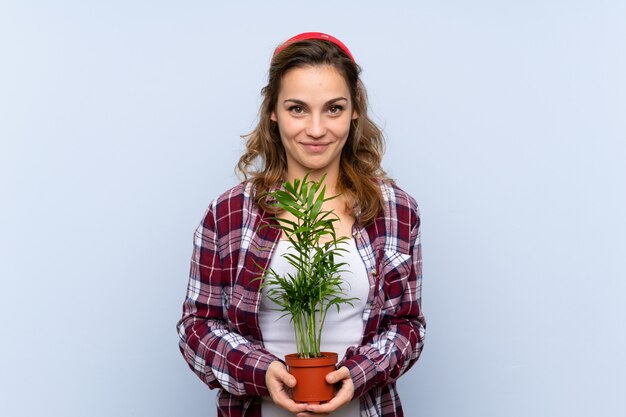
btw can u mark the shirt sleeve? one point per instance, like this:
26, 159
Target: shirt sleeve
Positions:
399, 341
219, 356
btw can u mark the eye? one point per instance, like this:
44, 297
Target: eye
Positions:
296, 109
335, 109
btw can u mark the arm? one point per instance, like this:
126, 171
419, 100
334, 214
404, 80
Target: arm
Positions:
218, 355
399, 340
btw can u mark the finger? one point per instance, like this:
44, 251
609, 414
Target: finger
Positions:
289, 380
291, 406
346, 388
328, 407
278, 371
279, 379
341, 398
321, 409
275, 387
307, 414
338, 375
286, 378
281, 397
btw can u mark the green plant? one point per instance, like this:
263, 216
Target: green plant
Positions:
315, 287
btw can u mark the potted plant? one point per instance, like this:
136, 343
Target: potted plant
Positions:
315, 287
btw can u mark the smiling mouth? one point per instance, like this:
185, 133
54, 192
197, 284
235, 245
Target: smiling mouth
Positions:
315, 147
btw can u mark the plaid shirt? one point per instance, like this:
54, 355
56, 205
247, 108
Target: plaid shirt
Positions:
219, 329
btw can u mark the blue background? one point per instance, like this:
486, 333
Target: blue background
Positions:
120, 122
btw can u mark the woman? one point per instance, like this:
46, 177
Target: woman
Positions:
313, 119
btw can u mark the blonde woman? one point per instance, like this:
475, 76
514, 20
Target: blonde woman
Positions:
313, 119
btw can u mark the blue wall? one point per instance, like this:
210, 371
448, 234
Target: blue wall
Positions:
120, 122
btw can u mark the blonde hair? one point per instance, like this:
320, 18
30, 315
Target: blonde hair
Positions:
360, 165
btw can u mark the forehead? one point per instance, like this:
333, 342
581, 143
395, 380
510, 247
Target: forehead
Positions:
313, 83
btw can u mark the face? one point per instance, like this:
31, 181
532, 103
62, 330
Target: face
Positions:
313, 113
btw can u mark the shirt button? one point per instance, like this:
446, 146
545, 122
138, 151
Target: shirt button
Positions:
372, 272
357, 235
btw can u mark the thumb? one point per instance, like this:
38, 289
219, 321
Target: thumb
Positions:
287, 378
335, 376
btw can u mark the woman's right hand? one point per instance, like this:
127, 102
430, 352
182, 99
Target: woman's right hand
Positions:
277, 380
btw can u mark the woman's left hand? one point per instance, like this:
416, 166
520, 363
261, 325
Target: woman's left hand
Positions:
341, 398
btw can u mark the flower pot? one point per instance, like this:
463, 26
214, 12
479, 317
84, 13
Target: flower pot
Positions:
310, 373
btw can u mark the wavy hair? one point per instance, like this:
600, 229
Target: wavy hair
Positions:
264, 161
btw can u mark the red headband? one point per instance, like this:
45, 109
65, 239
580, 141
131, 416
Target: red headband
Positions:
314, 35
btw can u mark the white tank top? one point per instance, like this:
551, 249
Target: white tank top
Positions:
340, 331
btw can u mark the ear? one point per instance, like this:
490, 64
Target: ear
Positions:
273, 116
355, 114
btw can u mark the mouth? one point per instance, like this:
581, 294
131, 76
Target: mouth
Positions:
315, 147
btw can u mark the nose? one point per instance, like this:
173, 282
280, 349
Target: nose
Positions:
316, 127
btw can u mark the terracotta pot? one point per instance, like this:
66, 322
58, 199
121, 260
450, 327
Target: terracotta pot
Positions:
310, 374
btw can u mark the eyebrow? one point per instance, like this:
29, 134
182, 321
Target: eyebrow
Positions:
295, 100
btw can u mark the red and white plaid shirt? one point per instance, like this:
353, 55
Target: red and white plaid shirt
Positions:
219, 329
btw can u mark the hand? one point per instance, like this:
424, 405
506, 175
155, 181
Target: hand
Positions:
341, 398
276, 379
